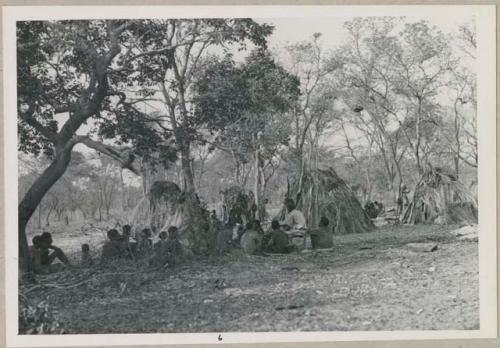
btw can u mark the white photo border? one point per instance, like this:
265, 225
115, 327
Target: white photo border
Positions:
487, 189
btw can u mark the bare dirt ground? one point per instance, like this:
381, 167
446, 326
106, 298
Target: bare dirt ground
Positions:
370, 281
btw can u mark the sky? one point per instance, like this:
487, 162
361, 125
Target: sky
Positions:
332, 29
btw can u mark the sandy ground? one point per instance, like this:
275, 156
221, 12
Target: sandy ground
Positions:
371, 281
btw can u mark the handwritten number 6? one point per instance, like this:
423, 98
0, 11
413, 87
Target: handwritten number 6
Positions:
220, 337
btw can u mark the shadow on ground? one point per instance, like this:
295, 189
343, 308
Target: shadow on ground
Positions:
370, 281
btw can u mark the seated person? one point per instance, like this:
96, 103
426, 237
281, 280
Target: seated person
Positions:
168, 250
36, 255
322, 237
295, 223
251, 240
127, 229
86, 258
238, 231
173, 245
380, 207
127, 246
160, 245
294, 219
143, 245
112, 248
145, 242
277, 242
42, 255
33, 249
257, 226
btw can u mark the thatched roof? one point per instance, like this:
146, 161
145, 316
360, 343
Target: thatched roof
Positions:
166, 205
163, 192
324, 193
440, 197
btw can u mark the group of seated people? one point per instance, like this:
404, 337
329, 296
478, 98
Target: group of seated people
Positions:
374, 209
281, 238
167, 250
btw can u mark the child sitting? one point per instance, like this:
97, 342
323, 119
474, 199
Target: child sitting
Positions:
322, 238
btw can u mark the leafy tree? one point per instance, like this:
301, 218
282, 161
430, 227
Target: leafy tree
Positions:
170, 53
252, 122
68, 76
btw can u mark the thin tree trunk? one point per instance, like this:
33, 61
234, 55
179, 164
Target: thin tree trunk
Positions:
457, 139
47, 217
237, 168
418, 135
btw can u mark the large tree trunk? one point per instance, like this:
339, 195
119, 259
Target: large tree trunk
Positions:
33, 198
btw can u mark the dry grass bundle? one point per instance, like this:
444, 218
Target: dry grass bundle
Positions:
166, 205
324, 193
440, 198
163, 197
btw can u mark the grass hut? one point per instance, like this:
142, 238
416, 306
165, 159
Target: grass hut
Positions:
163, 199
167, 205
441, 198
324, 193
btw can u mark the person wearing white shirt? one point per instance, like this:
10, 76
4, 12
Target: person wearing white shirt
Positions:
294, 222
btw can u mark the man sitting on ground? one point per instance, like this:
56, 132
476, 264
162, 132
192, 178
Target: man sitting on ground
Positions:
294, 223
43, 257
278, 240
251, 240
113, 247
36, 252
322, 238
160, 245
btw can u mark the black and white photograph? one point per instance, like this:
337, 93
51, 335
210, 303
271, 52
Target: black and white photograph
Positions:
249, 173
